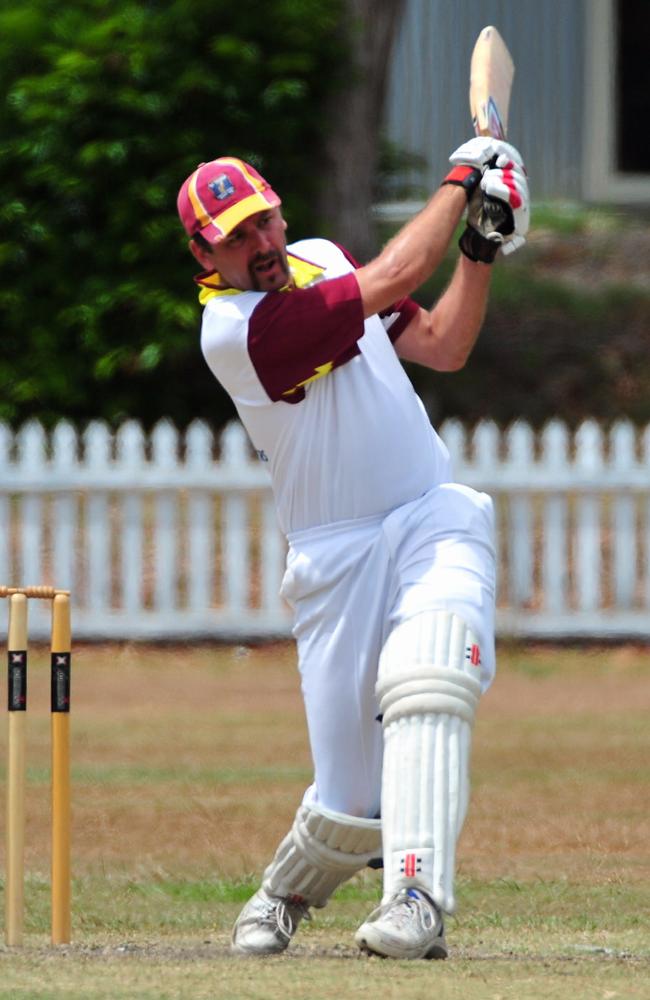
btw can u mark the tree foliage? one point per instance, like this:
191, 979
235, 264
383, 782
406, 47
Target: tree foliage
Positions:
107, 106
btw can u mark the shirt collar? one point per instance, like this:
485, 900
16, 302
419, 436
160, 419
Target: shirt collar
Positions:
303, 272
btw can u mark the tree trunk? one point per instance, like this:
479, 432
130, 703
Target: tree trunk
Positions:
354, 127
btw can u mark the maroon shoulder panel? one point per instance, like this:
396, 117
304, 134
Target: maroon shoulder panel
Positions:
406, 307
291, 335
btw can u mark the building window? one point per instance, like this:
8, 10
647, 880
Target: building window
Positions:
616, 163
632, 99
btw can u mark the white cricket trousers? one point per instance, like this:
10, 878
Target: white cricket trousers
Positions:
350, 584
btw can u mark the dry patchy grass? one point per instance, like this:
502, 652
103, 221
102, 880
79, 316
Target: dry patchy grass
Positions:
188, 763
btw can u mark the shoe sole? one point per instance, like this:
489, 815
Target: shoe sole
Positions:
437, 952
242, 951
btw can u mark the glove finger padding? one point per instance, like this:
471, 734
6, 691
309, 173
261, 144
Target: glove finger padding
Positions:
512, 243
482, 150
507, 182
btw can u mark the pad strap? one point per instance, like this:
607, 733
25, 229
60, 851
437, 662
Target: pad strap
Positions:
426, 688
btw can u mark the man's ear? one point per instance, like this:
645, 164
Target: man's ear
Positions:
203, 256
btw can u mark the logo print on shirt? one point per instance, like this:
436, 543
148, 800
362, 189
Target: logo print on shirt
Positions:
319, 372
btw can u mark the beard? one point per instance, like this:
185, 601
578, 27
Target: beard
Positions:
269, 277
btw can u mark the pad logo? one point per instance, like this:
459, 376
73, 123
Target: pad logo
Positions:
222, 187
410, 865
473, 655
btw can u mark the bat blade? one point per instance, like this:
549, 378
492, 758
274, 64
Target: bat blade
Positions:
490, 83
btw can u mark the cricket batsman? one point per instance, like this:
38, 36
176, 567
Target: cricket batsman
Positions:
391, 566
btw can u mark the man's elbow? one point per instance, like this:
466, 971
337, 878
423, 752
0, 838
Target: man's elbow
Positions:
452, 362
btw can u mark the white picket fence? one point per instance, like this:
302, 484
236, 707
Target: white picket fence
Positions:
169, 536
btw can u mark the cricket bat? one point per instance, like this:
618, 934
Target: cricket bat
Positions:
490, 83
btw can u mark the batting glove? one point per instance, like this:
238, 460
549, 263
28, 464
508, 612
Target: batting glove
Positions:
499, 210
507, 183
481, 150
469, 161
466, 177
481, 239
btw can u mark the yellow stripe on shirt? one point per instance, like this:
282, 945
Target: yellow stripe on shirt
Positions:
302, 271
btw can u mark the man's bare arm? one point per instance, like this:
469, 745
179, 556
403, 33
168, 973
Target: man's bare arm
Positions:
412, 256
443, 338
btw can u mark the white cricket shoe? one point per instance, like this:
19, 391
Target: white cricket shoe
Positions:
266, 924
408, 925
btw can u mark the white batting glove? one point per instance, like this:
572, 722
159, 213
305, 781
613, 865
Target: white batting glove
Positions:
473, 158
479, 151
499, 210
506, 181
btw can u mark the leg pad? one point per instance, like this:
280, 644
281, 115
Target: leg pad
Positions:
322, 850
428, 688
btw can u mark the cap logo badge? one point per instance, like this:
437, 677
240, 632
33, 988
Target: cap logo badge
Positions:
222, 187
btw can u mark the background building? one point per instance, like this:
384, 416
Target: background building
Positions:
582, 85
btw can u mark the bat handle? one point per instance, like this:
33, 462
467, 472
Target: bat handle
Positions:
495, 218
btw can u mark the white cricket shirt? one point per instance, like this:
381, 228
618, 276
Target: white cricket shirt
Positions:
322, 393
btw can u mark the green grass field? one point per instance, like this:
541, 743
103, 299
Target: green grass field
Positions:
188, 764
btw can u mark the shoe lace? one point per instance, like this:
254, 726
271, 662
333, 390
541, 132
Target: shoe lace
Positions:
283, 915
406, 909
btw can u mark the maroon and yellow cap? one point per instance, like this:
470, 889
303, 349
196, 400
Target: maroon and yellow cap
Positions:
219, 195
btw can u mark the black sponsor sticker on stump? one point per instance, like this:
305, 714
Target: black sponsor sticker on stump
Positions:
17, 680
60, 682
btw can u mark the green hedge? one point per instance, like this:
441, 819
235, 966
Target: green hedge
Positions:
107, 106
